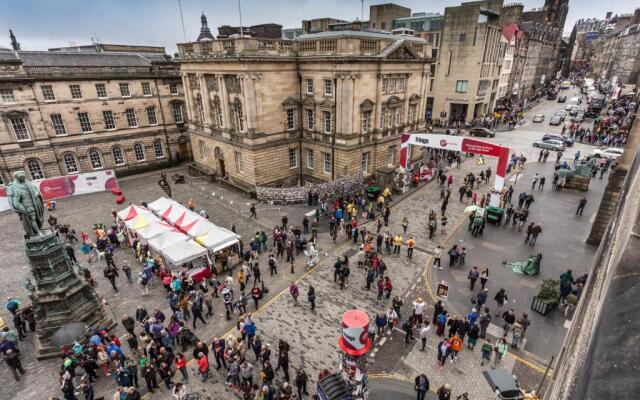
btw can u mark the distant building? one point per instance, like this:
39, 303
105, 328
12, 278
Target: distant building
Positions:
381, 16
291, 33
319, 24
66, 112
264, 31
111, 48
349, 26
205, 32
421, 22
284, 113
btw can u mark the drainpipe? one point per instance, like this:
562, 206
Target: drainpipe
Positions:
164, 122
300, 119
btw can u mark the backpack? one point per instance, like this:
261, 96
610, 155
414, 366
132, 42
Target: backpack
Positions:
272, 262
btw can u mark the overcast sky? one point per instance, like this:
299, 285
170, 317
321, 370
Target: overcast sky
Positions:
40, 24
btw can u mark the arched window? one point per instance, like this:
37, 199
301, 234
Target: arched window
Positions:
118, 155
70, 163
138, 151
239, 118
34, 166
217, 112
95, 158
158, 149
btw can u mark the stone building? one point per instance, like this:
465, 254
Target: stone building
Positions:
469, 61
381, 16
283, 113
264, 31
617, 54
507, 51
71, 112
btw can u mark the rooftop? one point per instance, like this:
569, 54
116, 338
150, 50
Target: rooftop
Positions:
356, 34
72, 59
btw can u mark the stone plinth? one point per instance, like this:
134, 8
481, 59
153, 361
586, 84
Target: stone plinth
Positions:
60, 296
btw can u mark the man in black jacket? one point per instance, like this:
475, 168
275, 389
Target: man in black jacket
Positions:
421, 386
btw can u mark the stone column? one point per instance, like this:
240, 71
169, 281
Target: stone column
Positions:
224, 102
206, 100
188, 98
251, 103
344, 105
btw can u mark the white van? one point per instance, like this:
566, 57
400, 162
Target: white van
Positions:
572, 103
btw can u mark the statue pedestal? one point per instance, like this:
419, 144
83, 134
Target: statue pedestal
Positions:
60, 296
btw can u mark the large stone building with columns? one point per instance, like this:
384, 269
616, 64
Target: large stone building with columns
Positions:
283, 113
70, 111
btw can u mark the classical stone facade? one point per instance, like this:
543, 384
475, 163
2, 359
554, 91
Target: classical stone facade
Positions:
72, 112
469, 61
269, 112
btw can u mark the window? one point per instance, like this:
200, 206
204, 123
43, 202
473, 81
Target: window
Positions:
146, 89
70, 163
383, 112
366, 121
47, 93
400, 85
20, 129
392, 86
202, 149
293, 158
7, 96
58, 124
326, 121
109, 121
101, 90
364, 166
200, 109
239, 163
475, 35
85, 122
309, 86
132, 120
124, 90
385, 84
291, 119
118, 155
461, 86
310, 120
310, 161
95, 158
463, 37
217, 112
326, 161
328, 87
173, 88
151, 113
35, 169
76, 93
138, 151
431, 84
397, 118
413, 109
177, 112
391, 155
239, 118
158, 149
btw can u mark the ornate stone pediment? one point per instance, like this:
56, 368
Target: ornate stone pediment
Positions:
367, 105
393, 100
309, 101
400, 50
291, 102
326, 104
414, 98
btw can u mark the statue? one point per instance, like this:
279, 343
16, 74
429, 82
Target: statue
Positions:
26, 200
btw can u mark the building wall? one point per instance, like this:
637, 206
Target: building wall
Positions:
469, 52
49, 147
381, 16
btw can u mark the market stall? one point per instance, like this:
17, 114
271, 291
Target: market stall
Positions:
131, 212
190, 256
141, 221
154, 229
167, 239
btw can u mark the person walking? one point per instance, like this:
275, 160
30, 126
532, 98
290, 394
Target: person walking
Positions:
541, 183
535, 232
444, 392
486, 351
294, 290
311, 296
437, 254
535, 181
581, 205
474, 274
397, 244
421, 386
484, 277
252, 210
483, 322
500, 298
500, 350
424, 333
411, 243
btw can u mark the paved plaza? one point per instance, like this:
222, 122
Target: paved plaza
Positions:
313, 335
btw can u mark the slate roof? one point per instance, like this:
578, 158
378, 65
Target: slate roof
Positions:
68, 59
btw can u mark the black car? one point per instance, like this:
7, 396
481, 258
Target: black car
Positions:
562, 99
552, 95
484, 132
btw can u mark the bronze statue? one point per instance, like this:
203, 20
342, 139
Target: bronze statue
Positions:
26, 200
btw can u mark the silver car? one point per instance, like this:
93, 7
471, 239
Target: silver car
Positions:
550, 144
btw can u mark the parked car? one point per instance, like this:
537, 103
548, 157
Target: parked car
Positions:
567, 141
550, 144
562, 114
552, 95
562, 99
484, 132
575, 110
612, 153
579, 117
555, 120
538, 118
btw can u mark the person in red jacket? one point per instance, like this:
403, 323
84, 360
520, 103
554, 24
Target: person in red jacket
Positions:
203, 366
181, 365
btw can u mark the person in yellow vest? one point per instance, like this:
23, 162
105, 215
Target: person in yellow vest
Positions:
410, 245
387, 193
397, 243
380, 202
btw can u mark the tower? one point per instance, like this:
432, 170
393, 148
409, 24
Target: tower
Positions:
14, 43
59, 297
205, 32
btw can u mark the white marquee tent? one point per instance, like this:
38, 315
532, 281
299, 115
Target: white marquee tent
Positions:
182, 252
167, 239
